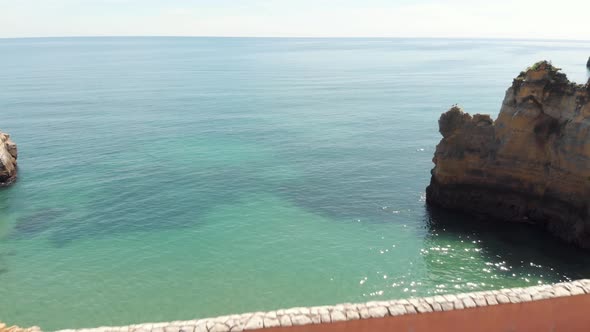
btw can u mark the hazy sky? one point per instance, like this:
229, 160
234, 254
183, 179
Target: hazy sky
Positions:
565, 19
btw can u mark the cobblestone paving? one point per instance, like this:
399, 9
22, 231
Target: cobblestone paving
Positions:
349, 311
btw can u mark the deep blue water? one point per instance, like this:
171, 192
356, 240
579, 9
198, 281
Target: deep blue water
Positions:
177, 178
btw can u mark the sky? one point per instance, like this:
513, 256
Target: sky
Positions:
528, 19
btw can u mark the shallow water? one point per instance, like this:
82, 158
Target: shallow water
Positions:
177, 178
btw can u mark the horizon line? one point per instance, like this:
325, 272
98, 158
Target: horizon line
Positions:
301, 37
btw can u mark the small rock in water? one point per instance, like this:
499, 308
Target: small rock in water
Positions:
8, 156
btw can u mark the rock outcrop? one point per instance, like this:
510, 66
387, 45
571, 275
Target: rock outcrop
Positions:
8, 156
532, 164
4, 328
588, 63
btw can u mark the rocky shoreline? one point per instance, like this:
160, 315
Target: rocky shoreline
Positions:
5, 328
531, 164
8, 156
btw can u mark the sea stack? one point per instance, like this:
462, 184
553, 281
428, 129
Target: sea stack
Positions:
588, 63
8, 156
532, 164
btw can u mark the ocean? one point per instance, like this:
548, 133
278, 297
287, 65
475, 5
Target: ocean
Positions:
177, 178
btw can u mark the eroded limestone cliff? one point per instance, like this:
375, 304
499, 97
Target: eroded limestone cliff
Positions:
532, 164
8, 156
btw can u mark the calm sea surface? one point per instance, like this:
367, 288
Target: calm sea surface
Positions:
178, 178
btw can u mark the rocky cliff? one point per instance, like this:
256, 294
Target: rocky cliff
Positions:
8, 155
532, 164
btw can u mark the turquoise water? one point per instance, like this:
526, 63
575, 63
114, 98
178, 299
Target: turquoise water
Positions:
177, 178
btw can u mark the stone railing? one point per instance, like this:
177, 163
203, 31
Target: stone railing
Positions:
317, 318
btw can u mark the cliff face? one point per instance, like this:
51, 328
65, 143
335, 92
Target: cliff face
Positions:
532, 164
8, 155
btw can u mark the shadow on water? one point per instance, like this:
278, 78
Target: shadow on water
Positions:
526, 249
3, 263
36, 223
140, 206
